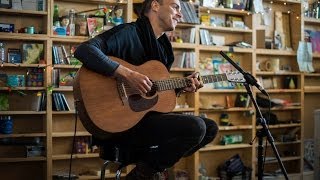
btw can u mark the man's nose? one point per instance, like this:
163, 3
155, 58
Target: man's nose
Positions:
179, 14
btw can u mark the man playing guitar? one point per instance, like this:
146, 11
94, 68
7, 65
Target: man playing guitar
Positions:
166, 137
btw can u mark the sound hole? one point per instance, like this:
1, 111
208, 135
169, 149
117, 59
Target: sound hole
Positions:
153, 90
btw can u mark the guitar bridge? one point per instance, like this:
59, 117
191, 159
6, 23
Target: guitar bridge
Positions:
122, 92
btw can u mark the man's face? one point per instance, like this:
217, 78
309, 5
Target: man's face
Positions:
169, 14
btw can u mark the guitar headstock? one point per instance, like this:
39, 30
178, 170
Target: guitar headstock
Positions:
235, 77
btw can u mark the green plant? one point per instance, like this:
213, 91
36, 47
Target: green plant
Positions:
4, 102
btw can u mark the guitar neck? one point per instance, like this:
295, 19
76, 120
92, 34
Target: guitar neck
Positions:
175, 83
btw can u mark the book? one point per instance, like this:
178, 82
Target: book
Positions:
14, 55
15, 80
65, 102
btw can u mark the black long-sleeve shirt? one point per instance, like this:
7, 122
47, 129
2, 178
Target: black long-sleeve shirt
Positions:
133, 42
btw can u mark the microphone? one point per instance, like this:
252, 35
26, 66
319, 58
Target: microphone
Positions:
247, 76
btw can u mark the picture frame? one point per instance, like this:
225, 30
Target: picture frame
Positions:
239, 4
6, 4
232, 20
268, 82
218, 20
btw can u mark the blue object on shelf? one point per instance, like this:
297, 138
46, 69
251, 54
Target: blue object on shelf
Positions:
6, 125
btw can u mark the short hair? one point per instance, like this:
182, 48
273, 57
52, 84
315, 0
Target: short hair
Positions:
146, 6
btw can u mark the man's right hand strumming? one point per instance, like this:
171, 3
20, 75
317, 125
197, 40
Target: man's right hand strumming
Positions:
135, 79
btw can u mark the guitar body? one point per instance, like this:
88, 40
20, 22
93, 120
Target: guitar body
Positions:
106, 106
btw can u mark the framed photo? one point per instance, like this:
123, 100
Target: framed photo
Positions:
268, 83
218, 20
232, 21
6, 4
239, 4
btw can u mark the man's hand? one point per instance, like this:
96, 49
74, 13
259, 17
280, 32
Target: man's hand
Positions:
196, 84
135, 79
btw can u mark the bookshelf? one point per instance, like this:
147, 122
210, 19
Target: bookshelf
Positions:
55, 128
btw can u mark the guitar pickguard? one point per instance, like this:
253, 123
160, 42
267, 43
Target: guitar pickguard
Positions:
138, 103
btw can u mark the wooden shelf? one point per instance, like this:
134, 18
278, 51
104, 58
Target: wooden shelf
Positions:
63, 88
66, 66
23, 37
22, 135
183, 45
312, 74
16, 12
75, 156
226, 29
63, 112
280, 73
283, 108
277, 126
282, 91
111, 175
185, 25
27, 159
23, 112
224, 147
69, 39
183, 110
224, 11
287, 1
17, 65
207, 90
182, 69
287, 143
315, 55
234, 109
224, 48
275, 52
70, 134
312, 89
238, 127
283, 159
111, 2
308, 20
23, 88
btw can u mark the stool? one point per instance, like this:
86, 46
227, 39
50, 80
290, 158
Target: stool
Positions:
113, 155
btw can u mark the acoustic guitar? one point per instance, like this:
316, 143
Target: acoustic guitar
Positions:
106, 105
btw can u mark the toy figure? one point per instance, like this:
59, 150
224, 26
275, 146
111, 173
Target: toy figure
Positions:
117, 19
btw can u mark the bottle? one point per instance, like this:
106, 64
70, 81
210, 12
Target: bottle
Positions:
2, 52
72, 26
56, 21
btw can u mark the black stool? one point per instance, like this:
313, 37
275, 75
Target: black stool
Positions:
114, 155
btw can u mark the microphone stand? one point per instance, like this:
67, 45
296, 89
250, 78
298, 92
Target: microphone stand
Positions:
264, 132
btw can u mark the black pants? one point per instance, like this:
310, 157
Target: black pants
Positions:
161, 139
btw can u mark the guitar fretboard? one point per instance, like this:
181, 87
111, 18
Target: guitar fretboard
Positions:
174, 83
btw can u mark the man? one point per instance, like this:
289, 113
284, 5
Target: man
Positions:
166, 137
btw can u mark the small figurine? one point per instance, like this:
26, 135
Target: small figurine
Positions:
65, 21
117, 19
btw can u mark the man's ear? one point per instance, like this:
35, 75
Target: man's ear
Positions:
155, 5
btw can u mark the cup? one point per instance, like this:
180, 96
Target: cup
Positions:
30, 30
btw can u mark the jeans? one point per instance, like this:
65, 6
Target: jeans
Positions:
161, 139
